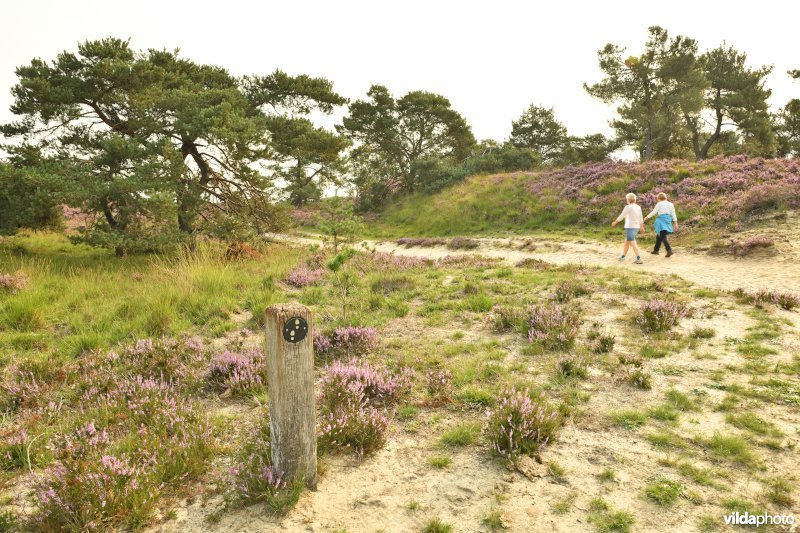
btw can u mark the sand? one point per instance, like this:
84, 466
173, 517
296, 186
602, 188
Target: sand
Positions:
375, 494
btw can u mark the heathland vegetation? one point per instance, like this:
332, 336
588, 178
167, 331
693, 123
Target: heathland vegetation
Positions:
139, 202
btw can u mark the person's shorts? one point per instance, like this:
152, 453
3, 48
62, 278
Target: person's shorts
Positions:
630, 234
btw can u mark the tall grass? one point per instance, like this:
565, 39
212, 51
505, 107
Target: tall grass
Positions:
79, 298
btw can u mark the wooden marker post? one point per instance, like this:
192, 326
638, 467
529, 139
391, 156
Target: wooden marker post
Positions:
290, 379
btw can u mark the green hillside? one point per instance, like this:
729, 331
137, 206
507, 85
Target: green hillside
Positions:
731, 194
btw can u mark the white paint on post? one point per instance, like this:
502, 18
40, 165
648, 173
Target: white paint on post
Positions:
290, 379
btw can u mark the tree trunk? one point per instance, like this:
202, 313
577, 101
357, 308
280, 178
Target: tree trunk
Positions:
714, 136
190, 200
114, 224
648, 147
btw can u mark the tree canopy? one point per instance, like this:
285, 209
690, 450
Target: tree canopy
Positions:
654, 91
142, 138
735, 98
390, 135
789, 125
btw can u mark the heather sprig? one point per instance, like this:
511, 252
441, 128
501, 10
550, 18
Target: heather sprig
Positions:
354, 424
439, 383
176, 360
351, 402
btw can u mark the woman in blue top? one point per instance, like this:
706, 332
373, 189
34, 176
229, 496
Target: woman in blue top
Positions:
664, 211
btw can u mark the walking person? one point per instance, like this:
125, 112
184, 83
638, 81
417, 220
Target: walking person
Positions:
664, 211
634, 223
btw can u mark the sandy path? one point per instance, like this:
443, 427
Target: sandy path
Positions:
780, 272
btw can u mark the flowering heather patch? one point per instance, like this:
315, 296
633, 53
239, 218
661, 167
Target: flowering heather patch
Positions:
166, 358
303, 276
465, 261
743, 248
660, 315
346, 341
382, 262
350, 399
521, 423
357, 378
353, 425
238, 373
13, 283
14, 449
21, 389
256, 479
439, 382
739, 186
786, 300
99, 480
553, 326
305, 217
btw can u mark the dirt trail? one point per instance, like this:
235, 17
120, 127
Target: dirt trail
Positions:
781, 271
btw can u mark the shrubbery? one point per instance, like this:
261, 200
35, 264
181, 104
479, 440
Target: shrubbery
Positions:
142, 438
238, 373
303, 276
346, 341
352, 400
786, 300
553, 326
521, 423
436, 174
659, 315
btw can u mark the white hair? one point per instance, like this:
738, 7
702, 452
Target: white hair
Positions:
630, 197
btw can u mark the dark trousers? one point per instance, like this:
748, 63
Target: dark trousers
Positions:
662, 238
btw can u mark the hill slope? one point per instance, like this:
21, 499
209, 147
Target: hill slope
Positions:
731, 193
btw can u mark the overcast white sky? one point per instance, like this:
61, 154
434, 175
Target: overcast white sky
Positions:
490, 58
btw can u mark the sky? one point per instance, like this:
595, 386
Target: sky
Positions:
491, 59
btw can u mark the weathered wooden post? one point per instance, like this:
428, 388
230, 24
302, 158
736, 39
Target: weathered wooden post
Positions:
290, 379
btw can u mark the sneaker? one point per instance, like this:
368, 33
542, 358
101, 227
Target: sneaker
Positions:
654, 252
669, 254
638, 261
621, 258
